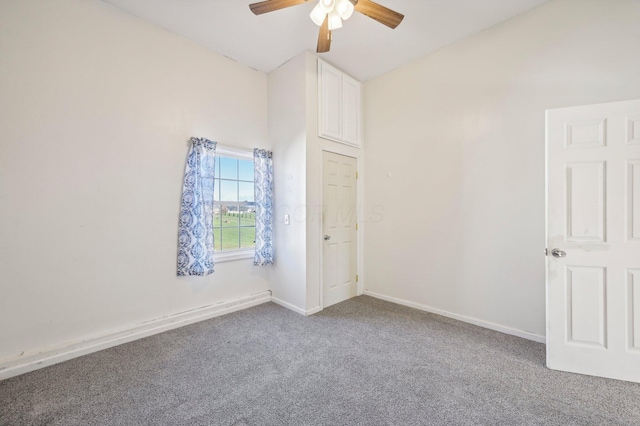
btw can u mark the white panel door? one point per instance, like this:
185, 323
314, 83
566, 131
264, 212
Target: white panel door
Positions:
593, 240
339, 228
330, 121
351, 111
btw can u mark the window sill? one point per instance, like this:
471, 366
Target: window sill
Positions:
228, 256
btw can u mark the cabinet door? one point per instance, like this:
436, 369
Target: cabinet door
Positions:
351, 123
330, 101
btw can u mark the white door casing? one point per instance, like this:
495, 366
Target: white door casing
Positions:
339, 218
593, 216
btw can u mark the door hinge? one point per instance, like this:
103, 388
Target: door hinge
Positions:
356, 174
356, 278
546, 252
356, 226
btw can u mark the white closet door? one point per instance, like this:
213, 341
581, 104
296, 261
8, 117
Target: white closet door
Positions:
339, 227
593, 239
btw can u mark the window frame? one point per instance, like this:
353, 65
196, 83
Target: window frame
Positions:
241, 253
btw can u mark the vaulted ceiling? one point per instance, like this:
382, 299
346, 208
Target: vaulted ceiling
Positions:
363, 48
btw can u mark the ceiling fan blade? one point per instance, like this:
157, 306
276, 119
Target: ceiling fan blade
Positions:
385, 16
324, 37
272, 5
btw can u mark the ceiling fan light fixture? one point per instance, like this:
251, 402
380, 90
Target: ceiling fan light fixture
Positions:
329, 14
345, 9
318, 14
327, 5
334, 21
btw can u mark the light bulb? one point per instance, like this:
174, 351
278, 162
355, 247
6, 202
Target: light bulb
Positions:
327, 5
345, 8
334, 21
317, 15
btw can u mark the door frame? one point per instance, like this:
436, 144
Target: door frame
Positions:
347, 152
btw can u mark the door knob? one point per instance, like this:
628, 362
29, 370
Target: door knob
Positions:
558, 253
327, 237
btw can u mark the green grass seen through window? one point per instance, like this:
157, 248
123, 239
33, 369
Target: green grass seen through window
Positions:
234, 231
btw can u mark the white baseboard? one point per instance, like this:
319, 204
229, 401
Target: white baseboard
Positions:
314, 310
24, 364
294, 308
288, 305
486, 324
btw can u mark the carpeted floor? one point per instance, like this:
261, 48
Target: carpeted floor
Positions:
361, 362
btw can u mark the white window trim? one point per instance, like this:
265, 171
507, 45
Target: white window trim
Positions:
240, 254
226, 151
229, 255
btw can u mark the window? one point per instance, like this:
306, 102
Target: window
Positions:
234, 223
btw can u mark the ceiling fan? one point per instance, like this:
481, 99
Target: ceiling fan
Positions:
329, 14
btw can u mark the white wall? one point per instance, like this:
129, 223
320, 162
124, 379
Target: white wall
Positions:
287, 132
96, 108
314, 199
459, 225
296, 278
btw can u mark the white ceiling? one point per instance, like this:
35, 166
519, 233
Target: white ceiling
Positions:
363, 48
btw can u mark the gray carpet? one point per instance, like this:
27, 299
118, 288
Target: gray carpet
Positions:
361, 362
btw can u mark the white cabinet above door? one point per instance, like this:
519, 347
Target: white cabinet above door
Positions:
351, 122
330, 95
340, 110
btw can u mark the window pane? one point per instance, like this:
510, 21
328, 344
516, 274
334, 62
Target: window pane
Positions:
228, 191
234, 207
216, 215
216, 239
247, 237
229, 215
230, 239
246, 170
228, 168
247, 216
246, 191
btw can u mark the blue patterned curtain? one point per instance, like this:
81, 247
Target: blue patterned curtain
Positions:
195, 229
263, 168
